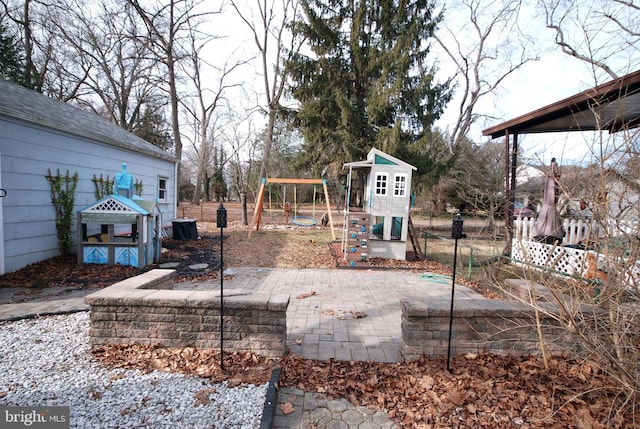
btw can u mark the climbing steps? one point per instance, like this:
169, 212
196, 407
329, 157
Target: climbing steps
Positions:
358, 228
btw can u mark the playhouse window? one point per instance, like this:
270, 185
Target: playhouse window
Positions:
381, 184
162, 189
400, 185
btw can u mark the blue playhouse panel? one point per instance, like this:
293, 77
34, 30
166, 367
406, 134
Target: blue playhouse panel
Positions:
95, 255
127, 256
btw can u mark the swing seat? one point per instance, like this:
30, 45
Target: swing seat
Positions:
304, 220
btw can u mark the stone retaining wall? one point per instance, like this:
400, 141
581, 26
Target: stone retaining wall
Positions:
478, 325
145, 310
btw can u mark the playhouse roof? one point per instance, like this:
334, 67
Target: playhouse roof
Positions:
31, 106
378, 157
113, 209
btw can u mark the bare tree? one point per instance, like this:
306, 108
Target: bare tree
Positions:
167, 33
597, 32
485, 48
32, 20
115, 64
241, 138
208, 101
270, 30
478, 178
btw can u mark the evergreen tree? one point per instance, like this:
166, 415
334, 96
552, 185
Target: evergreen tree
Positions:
153, 127
10, 57
367, 82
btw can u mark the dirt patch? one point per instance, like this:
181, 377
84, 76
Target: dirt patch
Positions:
275, 245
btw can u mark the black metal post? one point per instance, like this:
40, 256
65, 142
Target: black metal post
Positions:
456, 233
222, 223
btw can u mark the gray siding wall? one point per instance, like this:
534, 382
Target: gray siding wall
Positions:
27, 153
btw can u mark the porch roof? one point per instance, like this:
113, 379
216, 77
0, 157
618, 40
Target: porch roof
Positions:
612, 106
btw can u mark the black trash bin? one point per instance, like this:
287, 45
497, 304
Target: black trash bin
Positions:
185, 229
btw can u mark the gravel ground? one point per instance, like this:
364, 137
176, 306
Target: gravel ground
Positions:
47, 362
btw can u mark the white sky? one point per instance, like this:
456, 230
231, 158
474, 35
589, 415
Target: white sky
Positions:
554, 77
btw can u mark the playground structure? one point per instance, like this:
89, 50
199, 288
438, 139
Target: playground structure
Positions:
298, 220
381, 227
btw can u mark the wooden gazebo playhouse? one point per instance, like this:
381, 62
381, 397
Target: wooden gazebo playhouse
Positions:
257, 213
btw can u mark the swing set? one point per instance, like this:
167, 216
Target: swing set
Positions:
298, 220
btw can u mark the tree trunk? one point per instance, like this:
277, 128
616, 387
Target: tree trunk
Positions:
243, 199
267, 143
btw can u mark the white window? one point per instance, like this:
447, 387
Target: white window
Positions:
381, 184
163, 183
400, 185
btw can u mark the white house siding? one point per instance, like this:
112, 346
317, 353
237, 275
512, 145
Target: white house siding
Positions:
28, 151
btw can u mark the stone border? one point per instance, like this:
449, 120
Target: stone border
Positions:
493, 326
144, 309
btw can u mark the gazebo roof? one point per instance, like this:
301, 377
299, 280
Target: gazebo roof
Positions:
612, 106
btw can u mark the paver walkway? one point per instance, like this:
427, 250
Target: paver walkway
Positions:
341, 314
345, 315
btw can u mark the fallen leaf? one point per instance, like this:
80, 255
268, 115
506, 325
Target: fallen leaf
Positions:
95, 394
427, 382
287, 408
234, 382
202, 396
306, 295
583, 419
117, 376
457, 397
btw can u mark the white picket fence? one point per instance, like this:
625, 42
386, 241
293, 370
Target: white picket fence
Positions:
563, 258
577, 230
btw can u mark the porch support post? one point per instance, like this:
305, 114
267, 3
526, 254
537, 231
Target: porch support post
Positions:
510, 161
507, 188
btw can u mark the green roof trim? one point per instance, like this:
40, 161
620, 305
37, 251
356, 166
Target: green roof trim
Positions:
382, 160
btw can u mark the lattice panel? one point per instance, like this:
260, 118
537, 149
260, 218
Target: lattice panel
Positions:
565, 260
110, 206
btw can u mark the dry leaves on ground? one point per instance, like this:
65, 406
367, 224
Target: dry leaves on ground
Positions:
239, 367
306, 295
483, 390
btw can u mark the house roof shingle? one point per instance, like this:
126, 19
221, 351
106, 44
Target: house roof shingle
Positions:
24, 104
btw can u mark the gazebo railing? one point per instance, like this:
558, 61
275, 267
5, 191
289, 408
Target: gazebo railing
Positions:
577, 230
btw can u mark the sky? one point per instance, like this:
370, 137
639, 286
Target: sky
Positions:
553, 77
